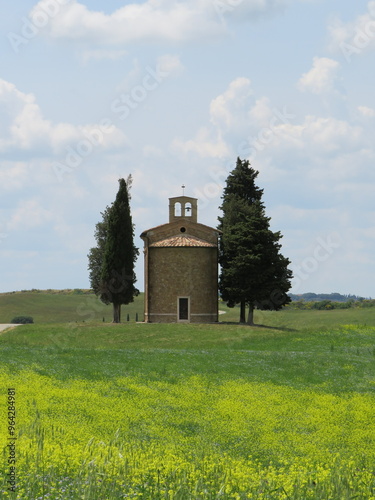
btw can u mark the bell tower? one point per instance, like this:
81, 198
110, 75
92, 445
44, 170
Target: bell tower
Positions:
183, 207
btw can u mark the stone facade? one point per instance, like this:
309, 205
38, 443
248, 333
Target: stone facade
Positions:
181, 267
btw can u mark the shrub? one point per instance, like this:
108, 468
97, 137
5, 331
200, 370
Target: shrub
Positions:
22, 320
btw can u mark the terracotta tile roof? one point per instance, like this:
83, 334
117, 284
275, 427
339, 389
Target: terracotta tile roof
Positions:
183, 241
177, 222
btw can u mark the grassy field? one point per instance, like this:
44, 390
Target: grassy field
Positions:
62, 307
71, 306
284, 410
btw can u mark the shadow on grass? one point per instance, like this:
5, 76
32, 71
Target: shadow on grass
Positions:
280, 328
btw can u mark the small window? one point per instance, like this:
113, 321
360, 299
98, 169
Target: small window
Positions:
182, 229
177, 209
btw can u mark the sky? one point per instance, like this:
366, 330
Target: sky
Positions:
172, 92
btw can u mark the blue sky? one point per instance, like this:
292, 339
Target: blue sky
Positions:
172, 92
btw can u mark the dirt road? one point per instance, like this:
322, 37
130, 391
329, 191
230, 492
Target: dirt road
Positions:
5, 326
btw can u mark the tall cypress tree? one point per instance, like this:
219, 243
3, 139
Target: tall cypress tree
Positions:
253, 271
112, 261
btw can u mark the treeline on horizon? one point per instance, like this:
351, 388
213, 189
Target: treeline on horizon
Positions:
326, 301
310, 300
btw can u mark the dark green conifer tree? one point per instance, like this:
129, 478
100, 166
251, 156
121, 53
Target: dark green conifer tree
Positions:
96, 254
112, 262
253, 273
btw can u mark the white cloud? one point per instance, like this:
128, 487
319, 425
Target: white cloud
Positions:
299, 159
366, 111
261, 113
170, 65
13, 175
321, 77
29, 214
225, 109
353, 37
317, 154
151, 20
242, 10
242, 127
330, 135
21, 121
228, 113
154, 20
203, 144
23, 126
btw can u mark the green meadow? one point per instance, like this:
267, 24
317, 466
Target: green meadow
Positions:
283, 410
61, 306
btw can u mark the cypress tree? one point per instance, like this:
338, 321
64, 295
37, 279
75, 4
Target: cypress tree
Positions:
112, 262
253, 274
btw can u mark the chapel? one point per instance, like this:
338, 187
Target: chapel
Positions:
181, 267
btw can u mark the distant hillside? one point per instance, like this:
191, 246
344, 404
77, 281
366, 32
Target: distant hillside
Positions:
334, 297
62, 306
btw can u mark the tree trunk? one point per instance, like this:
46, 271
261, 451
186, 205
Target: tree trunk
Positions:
243, 311
250, 318
116, 313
